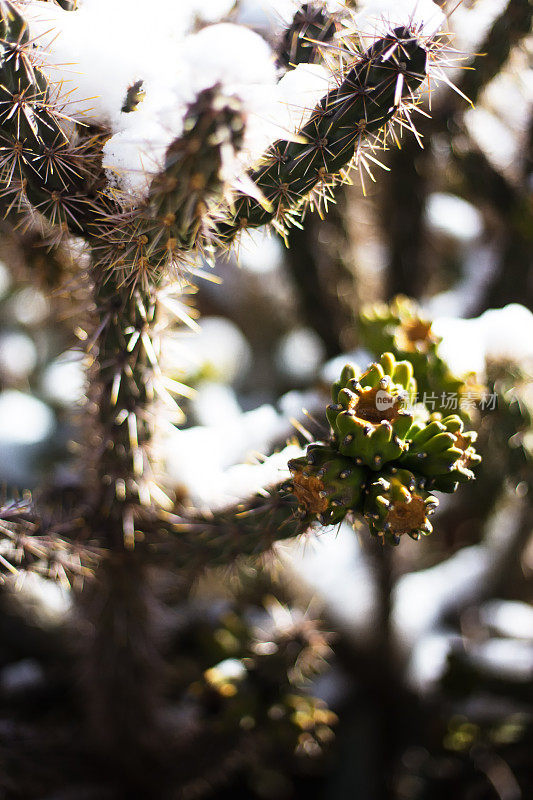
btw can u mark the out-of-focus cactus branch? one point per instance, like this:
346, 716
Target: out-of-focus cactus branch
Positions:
29, 542
248, 529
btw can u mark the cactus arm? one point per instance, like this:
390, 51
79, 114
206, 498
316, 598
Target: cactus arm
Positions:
300, 43
180, 210
367, 99
248, 529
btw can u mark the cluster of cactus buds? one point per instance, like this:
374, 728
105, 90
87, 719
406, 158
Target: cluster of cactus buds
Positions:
369, 415
402, 328
384, 456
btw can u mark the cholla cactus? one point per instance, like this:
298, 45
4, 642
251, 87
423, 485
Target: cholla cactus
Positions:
55, 167
81, 172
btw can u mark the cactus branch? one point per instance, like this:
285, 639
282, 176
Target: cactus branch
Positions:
301, 42
250, 528
368, 98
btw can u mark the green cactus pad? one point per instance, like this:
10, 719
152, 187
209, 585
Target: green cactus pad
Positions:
369, 415
326, 484
442, 451
398, 503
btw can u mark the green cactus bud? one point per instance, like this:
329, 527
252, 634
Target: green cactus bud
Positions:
369, 417
397, 326
398, 503
442, 451
326, 484
349, 372
401, 327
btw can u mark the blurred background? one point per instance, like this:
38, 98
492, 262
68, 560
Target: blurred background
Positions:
423, 654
